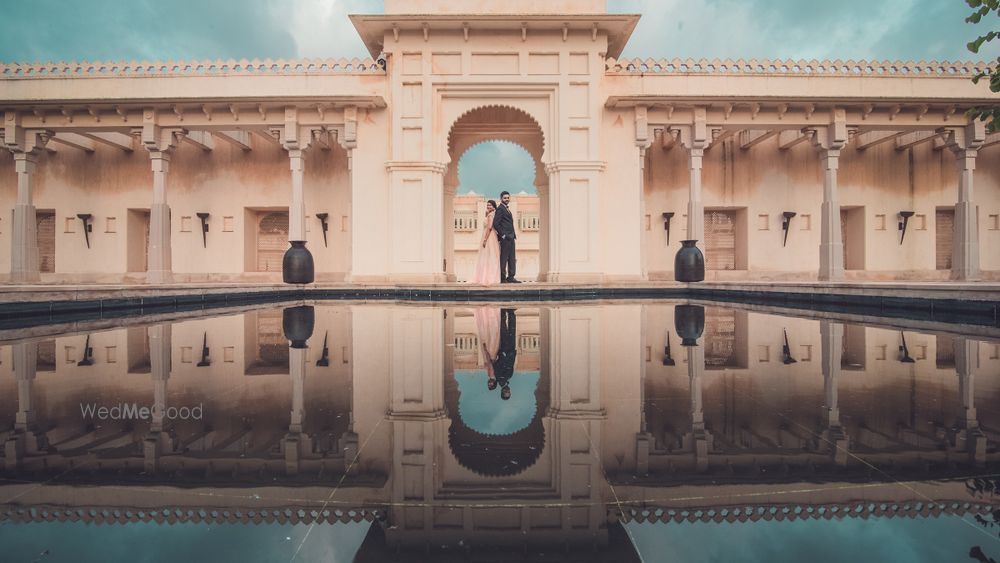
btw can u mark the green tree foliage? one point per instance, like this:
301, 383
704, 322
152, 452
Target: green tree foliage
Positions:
983, 8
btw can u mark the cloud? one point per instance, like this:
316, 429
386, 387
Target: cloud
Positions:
797, 29
197, 29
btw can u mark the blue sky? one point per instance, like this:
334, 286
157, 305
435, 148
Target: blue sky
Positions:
43, 30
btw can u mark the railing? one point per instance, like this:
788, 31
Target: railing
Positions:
859, 509
466, 343
466, 221
229, 67
795, 68
528, 342
528, 221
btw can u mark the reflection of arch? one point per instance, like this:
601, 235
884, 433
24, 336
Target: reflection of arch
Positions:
496, 456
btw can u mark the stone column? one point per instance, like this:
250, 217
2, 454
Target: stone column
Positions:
160, 143
26, 145
830, 140
695, 138
157, 440
450, 189
969, 436
965, 143
297, 206
542, 189
297, 265
831, 340
695, 208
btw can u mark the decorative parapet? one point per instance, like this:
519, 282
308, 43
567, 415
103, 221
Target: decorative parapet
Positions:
243, 67
755, 67
174, 515
781, 512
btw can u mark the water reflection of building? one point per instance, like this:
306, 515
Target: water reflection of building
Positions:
622, 422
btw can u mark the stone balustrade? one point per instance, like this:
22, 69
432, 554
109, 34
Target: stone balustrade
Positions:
754, 67
229, 67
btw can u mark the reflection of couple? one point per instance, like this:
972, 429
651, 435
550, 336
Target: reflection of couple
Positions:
497, 261
497, 342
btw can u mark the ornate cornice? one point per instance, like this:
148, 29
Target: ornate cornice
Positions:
766, 67
157, 69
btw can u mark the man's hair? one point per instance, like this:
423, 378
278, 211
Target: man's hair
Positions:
503, 193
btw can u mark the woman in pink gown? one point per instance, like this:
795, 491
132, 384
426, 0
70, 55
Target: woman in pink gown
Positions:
488, 266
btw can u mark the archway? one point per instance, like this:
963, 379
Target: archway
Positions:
502, 124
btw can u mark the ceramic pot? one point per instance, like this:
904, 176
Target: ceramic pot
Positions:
297, 265
689, 322
689, 264
297, 323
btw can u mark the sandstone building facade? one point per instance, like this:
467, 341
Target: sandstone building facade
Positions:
157, 172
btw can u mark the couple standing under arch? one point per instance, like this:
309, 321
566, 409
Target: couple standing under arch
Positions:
497, 260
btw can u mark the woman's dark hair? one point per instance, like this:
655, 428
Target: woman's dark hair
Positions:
491, 202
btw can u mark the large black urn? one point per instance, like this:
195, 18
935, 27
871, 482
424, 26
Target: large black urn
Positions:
689, 322
298, 323
297, 265
689, 264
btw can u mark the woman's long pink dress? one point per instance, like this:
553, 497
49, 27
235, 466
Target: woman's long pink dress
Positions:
488, 266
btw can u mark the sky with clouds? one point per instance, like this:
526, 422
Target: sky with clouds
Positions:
44, 30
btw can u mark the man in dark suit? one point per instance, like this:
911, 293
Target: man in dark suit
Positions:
503, 224
503, 365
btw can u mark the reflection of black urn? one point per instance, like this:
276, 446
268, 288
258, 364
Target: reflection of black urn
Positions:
297, 323
297, 265
689, 322
689, 264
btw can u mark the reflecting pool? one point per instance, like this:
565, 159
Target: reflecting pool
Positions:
613, 431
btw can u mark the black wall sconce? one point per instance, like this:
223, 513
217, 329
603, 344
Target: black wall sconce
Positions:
904, 217
668, 360
205, 361
324, 360
88, 354
326, 226
786, 351
904, 352
667, 216
785, 224
204, 228
87, 226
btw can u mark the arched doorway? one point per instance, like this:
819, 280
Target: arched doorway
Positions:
503, 124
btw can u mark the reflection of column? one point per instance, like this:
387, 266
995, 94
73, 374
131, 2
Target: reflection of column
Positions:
965, 142
831, 340
700, 439
24, 239
157, 440
414, 343
26, 439
829, 140
295, 442
969, 437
